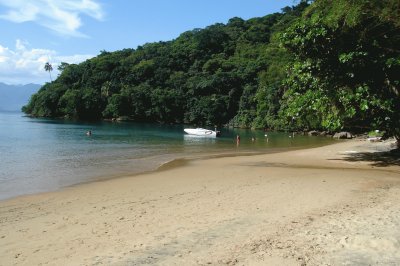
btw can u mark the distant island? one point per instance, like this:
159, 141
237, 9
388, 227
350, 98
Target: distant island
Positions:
324, 65
13, 97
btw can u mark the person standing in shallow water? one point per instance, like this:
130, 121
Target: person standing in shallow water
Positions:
237, 140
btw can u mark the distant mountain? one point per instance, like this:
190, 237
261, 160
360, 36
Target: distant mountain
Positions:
13, 97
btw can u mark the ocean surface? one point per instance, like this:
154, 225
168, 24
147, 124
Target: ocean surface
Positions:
39, 155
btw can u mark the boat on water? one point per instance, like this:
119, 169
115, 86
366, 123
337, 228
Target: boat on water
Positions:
202, 132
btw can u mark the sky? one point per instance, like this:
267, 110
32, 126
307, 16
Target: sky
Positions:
33, 32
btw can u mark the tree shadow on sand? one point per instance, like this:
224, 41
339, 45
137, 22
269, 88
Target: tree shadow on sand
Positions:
379, 159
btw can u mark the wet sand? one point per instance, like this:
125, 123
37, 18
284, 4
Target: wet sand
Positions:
333, 205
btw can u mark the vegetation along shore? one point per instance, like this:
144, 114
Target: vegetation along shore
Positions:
319, 65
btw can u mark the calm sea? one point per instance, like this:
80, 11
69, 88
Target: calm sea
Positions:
38, 155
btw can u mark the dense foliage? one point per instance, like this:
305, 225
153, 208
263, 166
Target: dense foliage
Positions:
326, 65
205, 76
346, 72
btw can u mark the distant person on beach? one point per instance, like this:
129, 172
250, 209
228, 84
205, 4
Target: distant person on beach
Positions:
237, 140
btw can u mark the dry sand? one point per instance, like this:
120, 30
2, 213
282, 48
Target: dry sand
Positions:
333, 205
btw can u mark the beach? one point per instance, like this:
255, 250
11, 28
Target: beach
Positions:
333, 205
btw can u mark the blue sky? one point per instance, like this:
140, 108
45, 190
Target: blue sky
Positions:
34, 32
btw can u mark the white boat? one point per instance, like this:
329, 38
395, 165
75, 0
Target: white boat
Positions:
202, 132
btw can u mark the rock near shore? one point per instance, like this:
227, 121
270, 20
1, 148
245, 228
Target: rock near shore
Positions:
343, 135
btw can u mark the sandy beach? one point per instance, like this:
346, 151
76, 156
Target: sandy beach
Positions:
332, 205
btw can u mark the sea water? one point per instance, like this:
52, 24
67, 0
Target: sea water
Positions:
39, 155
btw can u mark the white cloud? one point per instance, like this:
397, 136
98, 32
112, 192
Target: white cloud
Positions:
23, 64
61, 16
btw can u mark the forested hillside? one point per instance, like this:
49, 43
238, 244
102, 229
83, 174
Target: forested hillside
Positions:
325, 65
346, 68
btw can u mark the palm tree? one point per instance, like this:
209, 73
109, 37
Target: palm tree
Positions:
48, 67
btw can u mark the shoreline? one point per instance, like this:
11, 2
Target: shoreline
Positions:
286, 208
174, 161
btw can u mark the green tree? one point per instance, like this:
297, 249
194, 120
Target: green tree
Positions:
48, 67
118, 105
346, 60
62, 66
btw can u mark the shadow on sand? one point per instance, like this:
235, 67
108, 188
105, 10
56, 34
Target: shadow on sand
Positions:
379, 159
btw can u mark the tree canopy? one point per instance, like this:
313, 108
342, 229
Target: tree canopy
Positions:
346, 67
318, 65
